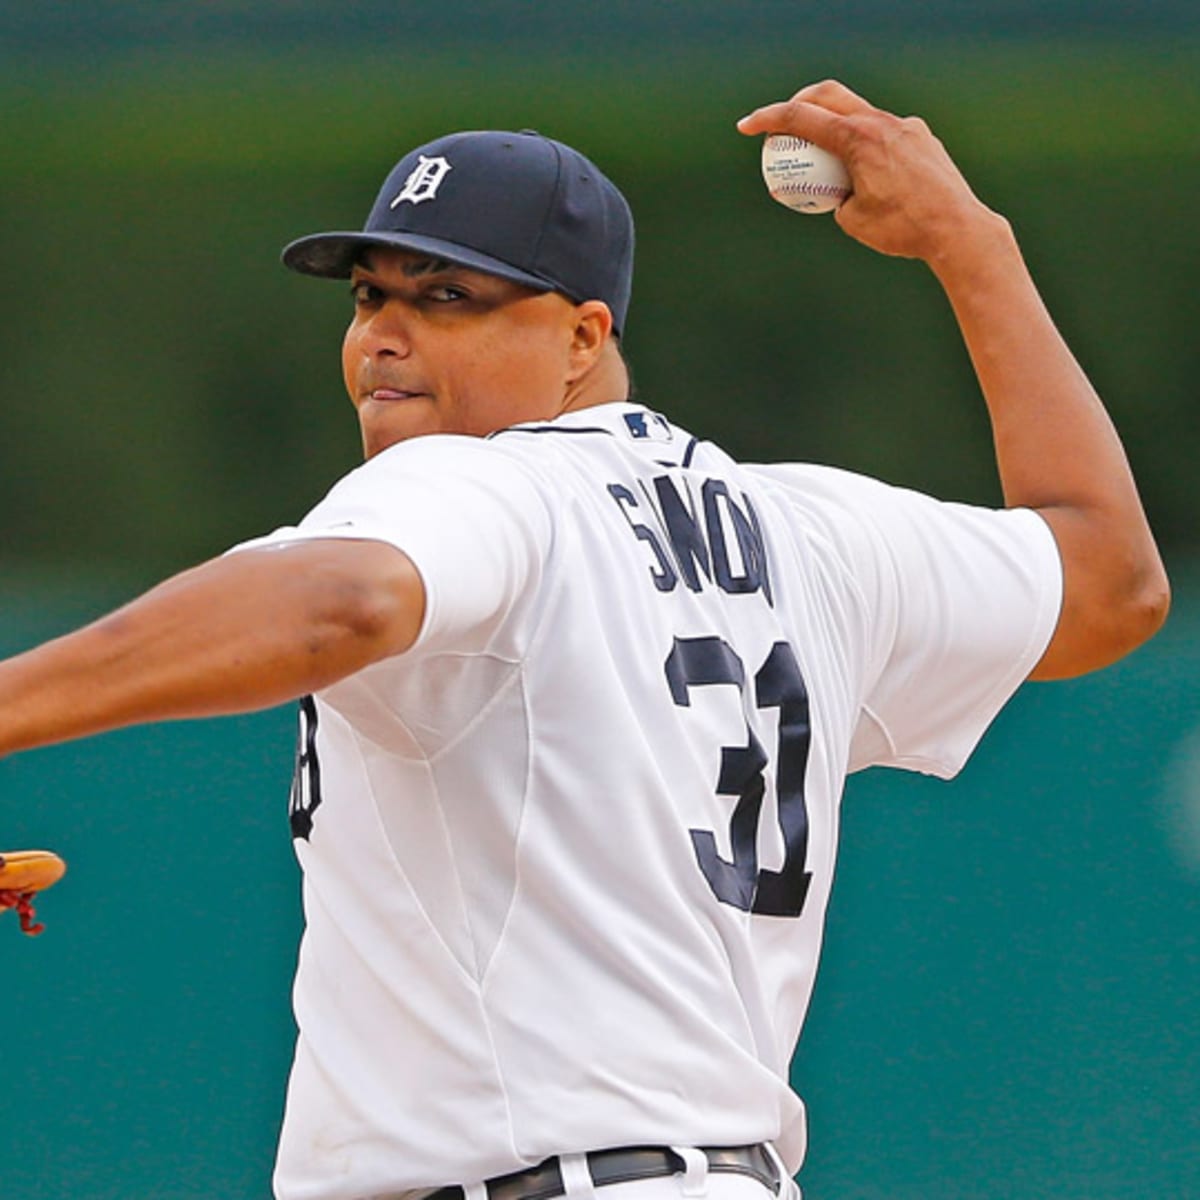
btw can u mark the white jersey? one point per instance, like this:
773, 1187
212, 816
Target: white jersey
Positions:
566, 861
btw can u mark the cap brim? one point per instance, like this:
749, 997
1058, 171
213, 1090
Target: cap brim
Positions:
334, 255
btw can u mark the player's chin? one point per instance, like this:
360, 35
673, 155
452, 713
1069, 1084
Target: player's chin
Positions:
388, 424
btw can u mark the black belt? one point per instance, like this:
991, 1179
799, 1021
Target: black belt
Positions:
621, 1165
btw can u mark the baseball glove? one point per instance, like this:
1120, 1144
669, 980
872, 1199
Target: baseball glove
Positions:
24, 873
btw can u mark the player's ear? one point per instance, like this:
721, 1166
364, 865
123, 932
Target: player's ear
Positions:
590, 333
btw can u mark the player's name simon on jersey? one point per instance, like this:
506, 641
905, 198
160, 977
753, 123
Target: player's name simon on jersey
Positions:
711, 538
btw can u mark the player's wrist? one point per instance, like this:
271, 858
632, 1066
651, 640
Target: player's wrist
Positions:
968, 242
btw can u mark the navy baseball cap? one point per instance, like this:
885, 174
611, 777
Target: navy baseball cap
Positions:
518, 205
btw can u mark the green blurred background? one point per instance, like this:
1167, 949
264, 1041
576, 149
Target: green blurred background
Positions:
1007, 1006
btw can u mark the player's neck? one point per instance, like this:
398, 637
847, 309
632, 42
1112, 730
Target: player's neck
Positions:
608, 380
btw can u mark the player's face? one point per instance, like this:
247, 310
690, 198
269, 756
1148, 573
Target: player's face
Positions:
436, 348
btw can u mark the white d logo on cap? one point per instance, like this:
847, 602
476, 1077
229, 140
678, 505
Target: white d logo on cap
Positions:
424, 181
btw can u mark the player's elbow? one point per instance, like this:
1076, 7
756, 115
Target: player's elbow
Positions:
1149, 603
1138, 595
1138, 615
1105, 616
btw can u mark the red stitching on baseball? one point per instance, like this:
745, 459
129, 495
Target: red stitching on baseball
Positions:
819, 189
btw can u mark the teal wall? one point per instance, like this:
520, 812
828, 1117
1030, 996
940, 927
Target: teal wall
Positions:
1007, 1005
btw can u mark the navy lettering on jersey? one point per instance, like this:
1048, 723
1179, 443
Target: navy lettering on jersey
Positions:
685, 528
748, 535
306, 782
780, 684
663, 573
754, 550
716, 541
703, 662
740, 881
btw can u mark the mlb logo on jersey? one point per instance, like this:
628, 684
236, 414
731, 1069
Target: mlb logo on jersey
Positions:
648, 426
424, 180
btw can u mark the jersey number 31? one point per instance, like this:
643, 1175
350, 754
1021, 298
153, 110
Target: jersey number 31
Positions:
703, 662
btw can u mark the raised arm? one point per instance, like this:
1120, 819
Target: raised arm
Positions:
1056, 449
239, 633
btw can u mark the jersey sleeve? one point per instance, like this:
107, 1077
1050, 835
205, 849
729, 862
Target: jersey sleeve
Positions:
471, 521
958, 605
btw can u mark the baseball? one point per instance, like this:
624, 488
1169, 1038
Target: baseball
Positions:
803, 176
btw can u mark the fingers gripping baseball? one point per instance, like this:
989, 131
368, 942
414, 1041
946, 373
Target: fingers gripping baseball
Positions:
24, 873
811, 113
909, 199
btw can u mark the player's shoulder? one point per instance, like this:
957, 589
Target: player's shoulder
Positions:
448, 458
874, 525
436, 449
842, 498
828, 498
441, 478
857, 524
818, 482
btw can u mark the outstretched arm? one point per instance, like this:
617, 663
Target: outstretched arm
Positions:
1056, 449
238, 633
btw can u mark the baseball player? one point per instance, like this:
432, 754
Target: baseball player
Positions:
578, 692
